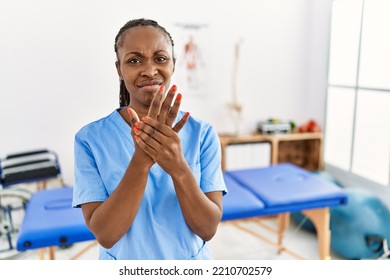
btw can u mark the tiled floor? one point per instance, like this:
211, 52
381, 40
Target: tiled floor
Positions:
229, 243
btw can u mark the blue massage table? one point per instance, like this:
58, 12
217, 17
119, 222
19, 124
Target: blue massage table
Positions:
50, 221
279, 190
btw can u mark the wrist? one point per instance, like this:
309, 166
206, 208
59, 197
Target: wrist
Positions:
142, 161
182, 174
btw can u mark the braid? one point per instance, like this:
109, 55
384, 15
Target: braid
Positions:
124, 96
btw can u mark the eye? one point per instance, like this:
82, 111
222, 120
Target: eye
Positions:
161, 59
133, 60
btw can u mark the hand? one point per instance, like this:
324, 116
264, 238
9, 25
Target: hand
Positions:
155, 134
165, 113
138, 151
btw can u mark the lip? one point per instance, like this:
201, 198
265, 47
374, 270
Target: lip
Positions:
149, 83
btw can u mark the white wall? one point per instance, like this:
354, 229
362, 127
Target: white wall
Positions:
57, 64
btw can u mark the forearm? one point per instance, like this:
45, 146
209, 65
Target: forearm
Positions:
113, 218
202, 215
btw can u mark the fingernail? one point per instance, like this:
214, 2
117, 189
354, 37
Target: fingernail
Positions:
130, 112
136, 137
137, 125
161, 87
179, 96
136, 129
187, 115
174, 88
145, 119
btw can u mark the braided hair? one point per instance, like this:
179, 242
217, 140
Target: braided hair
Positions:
124, 96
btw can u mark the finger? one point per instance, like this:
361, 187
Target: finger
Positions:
149, 124
179, 125
133, 116
174, 110
166, 105
146, 146
150, 131
154, 108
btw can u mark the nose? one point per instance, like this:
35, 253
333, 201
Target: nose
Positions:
150, 68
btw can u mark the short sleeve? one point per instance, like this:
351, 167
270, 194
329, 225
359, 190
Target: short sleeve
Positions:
210, 162
89, 186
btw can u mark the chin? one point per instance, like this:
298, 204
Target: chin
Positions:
148, 101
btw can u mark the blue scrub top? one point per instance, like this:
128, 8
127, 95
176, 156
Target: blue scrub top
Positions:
103, 150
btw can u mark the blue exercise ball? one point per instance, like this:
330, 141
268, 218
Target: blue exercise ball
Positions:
300, 219
359, 227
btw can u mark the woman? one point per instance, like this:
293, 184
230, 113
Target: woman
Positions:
148, 176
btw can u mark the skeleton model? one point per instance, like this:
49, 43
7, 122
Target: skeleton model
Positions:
234, 107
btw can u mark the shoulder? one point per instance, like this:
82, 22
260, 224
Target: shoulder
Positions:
198, 128
195, 122
97, 126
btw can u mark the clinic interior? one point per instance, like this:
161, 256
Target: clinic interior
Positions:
298, 81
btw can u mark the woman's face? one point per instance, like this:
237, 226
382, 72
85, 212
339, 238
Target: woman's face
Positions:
145, 63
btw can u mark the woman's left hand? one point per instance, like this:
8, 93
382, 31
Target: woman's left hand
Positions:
156, 135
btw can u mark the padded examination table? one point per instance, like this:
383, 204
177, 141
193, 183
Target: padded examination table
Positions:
51, 221
279, 190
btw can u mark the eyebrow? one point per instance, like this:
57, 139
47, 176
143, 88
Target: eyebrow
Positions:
140, 54
136, 53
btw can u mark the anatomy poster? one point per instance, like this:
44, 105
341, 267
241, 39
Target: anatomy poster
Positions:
192, 69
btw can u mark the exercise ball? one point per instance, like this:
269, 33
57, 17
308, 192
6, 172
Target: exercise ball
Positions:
359, 227
300, 219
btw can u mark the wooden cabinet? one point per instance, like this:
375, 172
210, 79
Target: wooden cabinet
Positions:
303, 149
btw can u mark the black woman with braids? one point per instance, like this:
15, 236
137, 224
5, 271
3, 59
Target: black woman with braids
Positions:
148, 175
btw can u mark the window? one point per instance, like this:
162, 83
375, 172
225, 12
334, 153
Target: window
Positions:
357, 132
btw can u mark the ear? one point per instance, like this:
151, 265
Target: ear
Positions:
118, 69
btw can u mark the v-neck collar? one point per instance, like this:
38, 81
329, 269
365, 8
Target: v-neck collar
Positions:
122, 124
